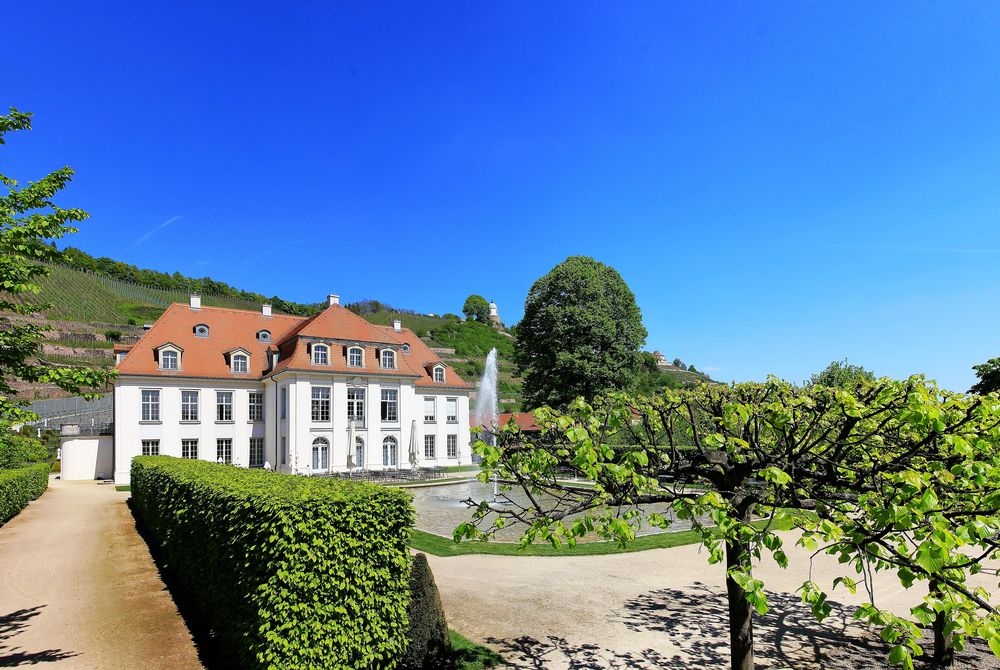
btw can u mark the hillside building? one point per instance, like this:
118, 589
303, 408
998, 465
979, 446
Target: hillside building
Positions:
328, 393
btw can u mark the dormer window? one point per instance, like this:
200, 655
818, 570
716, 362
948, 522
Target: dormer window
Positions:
241, 363
356, 357
320, 354
169, 357
439, 373
201, 330
406, 348
263, 336
388, 359
169, 360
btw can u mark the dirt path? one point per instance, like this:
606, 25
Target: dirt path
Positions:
78, 588
663, 608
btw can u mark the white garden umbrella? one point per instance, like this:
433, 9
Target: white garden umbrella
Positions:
350, 444
413, 444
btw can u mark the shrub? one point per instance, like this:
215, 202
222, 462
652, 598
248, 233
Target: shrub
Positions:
288, 571
19, 450
113, 335
20, 486
429, 645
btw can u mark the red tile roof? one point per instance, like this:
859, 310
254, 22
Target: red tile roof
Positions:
231, 329
524, 420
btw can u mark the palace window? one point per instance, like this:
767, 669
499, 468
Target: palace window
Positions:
150, 405
389, 452
224, 450
451, 410
189, 448
321, 403
201, 330
223, 405
150, 447
256, 452
356, 357
356, 406
263, 336
284, 402
321, 454
359, 452
320, 354
189, 405
439, 373
169, 360
429, 414
256, 406
390, 405
429, 446
388, 359
452, 446
240, 363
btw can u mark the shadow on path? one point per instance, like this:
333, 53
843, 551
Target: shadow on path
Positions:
694, 622
12, 656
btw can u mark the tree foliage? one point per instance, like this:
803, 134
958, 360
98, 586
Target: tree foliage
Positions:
29, 221
841, 374
580, 336
476, 309
889, 476
989, 377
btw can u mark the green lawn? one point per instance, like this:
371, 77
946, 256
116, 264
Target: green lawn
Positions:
123, 488
471, 656
441, 546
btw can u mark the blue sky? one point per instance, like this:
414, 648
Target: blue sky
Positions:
781, 186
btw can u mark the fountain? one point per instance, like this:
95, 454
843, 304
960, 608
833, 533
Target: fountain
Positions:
485, 411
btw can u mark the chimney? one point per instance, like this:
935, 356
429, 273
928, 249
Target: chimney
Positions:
397, 325
265, 309
195, 301
332, 299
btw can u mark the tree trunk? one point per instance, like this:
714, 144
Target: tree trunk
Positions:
944, 650
740, 614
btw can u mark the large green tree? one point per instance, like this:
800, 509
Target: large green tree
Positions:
29, 221
989, 377
476, 309
580, 336
841, 374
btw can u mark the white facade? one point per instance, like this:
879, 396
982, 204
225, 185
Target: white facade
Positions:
288, 427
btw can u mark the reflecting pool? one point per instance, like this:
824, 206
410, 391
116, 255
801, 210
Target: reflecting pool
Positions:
440, 509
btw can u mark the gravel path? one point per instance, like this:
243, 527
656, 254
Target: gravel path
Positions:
662, 608
78, 588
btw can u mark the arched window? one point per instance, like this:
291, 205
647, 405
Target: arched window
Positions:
388, 358
406, 348
201, 330
169, 360
439, 373
359, 452
389, 449
321, 454
320, 354
240, 363
263, 336
356, 357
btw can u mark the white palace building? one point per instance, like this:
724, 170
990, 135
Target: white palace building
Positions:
328, 393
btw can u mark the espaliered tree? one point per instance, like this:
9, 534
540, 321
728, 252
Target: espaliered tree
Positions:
883, 476
29, 221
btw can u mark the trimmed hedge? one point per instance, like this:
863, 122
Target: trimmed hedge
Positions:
288, 571
429, 643
20, 486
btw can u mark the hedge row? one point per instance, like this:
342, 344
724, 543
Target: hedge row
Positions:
287, 571
20, 486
